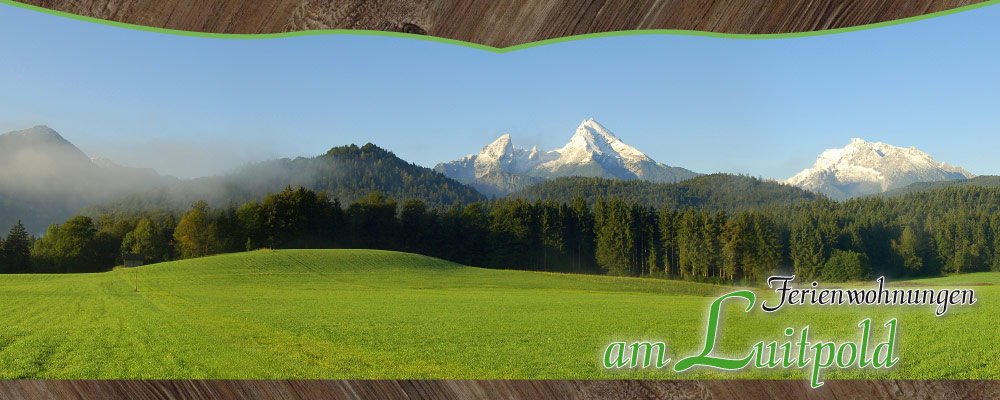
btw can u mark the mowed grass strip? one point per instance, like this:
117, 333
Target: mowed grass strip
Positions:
365, 314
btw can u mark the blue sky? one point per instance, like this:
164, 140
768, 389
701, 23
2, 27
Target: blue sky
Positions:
193, 106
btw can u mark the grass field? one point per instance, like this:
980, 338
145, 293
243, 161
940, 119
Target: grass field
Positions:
376, 314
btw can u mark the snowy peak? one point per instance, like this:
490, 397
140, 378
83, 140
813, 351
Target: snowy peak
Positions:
589, 139
863, 168
500, 148
592, 150
592, 140
501, 155
594, 128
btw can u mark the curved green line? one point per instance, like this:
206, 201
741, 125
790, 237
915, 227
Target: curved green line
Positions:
491, 48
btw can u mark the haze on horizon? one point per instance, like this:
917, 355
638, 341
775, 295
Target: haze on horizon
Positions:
191, 107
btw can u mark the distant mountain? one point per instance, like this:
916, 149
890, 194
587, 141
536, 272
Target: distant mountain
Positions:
713, 192
44, 178
347, 173
982, 181
593, 151
864, 168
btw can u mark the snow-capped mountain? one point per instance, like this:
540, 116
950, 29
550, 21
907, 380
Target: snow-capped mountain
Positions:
864, 168
593, 150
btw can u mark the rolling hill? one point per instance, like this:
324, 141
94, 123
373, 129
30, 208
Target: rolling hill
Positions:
365, 314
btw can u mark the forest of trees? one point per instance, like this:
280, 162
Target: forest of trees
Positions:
949, 230
710, 192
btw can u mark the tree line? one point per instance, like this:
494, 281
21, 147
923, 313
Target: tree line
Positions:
949, 230
712, 192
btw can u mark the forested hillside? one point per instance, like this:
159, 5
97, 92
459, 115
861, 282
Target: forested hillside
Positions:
710, 192
347, 173
985, 180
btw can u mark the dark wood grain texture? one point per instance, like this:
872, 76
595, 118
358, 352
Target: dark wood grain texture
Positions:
528, 390
501, 23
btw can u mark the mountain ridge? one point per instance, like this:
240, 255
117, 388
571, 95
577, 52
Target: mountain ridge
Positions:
347, 173
63, 180
44, 178
864, 168
500, 168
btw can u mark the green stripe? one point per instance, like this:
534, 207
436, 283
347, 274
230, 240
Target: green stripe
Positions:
490, 48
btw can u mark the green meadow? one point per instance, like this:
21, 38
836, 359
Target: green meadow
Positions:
383, 315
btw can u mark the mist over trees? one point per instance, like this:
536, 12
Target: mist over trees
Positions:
345, 172
44, 178
951, 230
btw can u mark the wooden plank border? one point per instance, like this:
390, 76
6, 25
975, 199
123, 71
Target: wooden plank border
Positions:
501, 23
